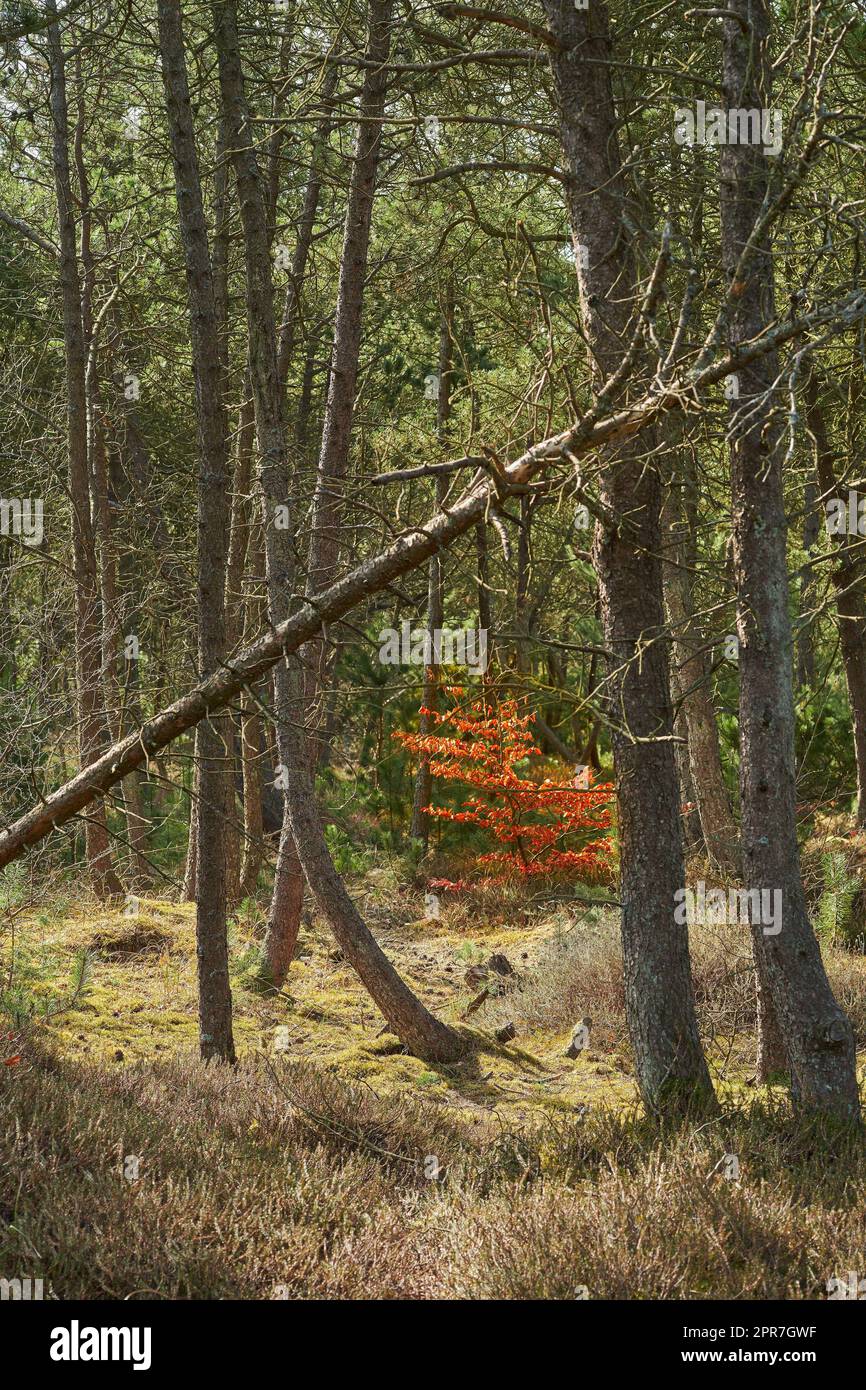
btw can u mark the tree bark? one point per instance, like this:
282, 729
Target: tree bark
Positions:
692, 676
251, 753
816, 1035
522, 648
849, 581
412, 1022
273, 475
237, 509
88, 642
245, 544
190, 870
214, 733
325, 525
671, 1069
424, 1034
327, 514
693, 835
423, 793
805, 630
135, 857
252, 735
304, 237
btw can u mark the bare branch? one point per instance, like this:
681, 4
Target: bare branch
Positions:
19, 225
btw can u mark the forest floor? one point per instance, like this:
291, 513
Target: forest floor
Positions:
137, 999
332, 1164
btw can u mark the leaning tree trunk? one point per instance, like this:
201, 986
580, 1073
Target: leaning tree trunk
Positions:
215, 1002
273, 473
412, 1022
88, 642
412, 548
325, 524
817, 1036
420, 1031
671, 1068
327, 512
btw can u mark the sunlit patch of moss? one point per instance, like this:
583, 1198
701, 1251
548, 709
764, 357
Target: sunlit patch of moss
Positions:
139, 1004
381, 1066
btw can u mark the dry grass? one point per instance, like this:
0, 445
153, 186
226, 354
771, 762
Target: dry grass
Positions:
278, 1180
308, 1174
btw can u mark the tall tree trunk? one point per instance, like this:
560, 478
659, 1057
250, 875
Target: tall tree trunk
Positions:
671, 1069
128, 623
304, 405
238, 507
88, 640
251, 754
287, 898
849, 581
327, 515
190, 870
485, 599
112, 644
522, 649
693, 681
412, 1022
816, 1034
318, 659
304, 236
239, 611
420, 827
806, 628
693, 835
215, 1002
287, 895
98, 471
273, 475
284, 917
482, 553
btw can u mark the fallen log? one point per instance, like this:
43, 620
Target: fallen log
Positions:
407, 553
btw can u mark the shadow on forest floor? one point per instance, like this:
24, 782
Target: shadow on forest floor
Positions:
169, 1179
137, 1000
330, 1164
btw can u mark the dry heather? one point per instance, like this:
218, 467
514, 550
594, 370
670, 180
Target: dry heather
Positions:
343, 1168
278, 1181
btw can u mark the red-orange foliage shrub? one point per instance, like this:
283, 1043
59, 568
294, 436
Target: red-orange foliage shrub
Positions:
546, 826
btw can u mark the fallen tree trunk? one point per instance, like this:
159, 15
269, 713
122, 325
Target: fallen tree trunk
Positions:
407, 553
219, 689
